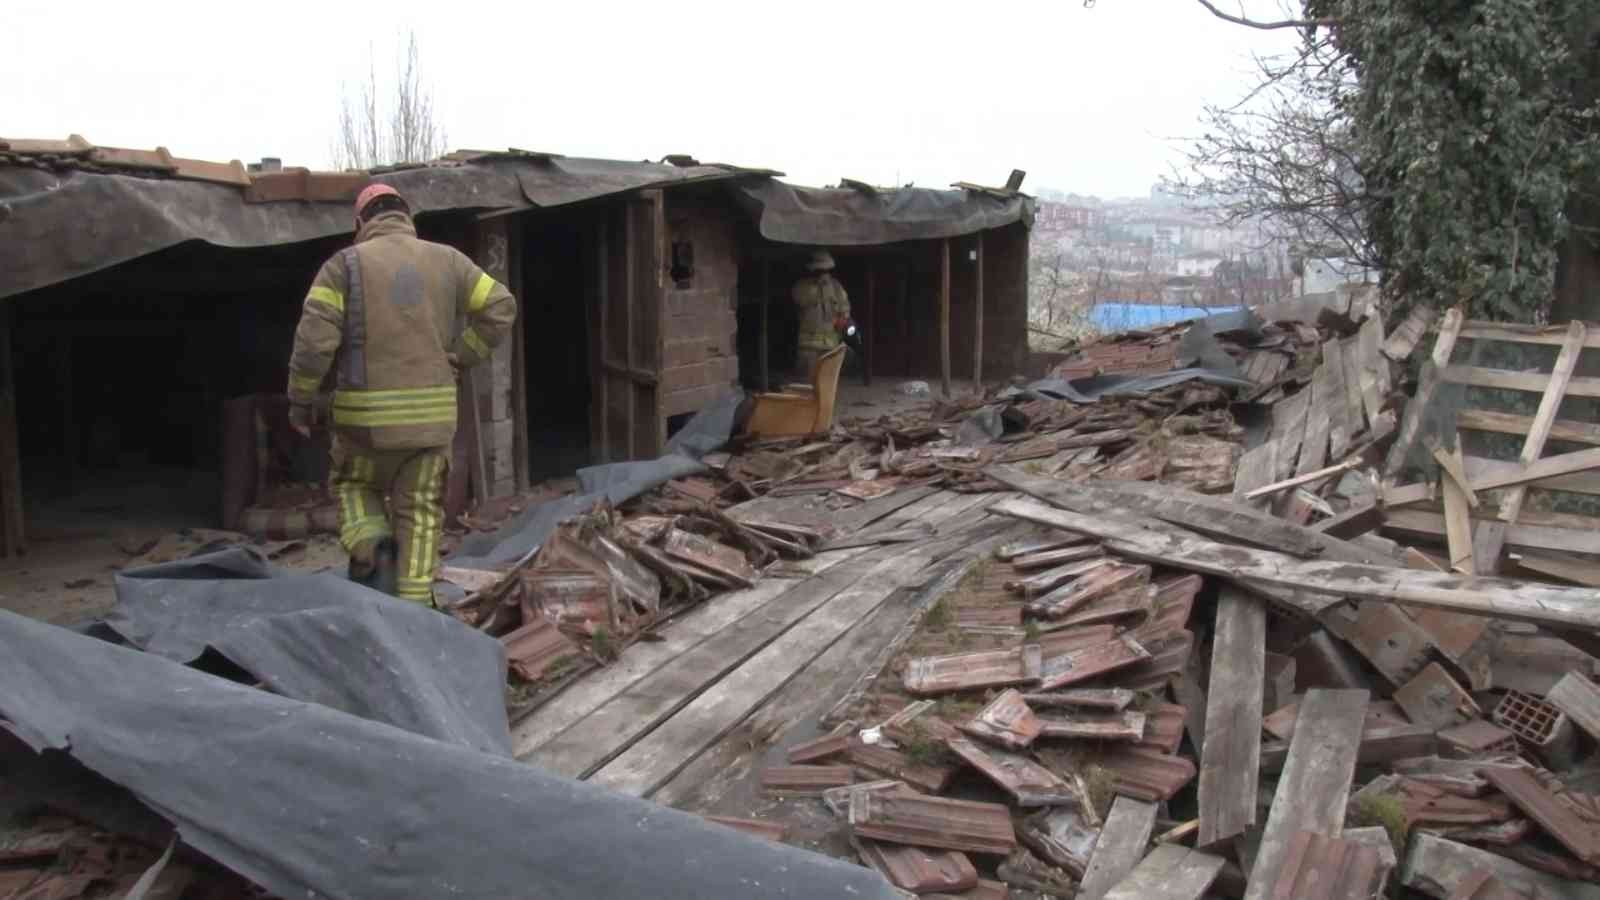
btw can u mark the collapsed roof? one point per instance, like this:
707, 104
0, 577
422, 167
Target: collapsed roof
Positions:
69, 208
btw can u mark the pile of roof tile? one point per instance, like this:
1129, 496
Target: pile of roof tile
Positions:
1166, 693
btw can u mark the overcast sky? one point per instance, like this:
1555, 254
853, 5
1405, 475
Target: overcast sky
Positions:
1085, 100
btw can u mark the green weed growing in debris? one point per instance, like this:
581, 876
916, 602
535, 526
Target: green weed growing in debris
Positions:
939, 615
560, 666
923, 748
602, 645
957, 709
1381, 809
1031, 632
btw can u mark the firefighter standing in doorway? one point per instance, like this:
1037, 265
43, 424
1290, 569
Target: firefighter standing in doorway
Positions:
382, 314
824, 311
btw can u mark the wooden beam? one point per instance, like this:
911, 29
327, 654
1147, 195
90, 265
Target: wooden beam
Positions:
519, 354
1579, 698
1121, 845
1491, 538
867, 330
1532, 382
1578, 472
977, 322
1524, 334
1509, 423
764, 350
1525, 535
944, 315
1374, 366
1504, 597
1457, 524
1170, 872
600, 408
1439, 867
1315, 784
1417, 406
1230, 764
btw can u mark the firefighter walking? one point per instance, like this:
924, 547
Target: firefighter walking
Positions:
380, 320
823, 307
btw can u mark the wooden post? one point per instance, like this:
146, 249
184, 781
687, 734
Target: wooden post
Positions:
11, 518
944, 315
977, 323
600, 344
519, 355
866, 324
766, 332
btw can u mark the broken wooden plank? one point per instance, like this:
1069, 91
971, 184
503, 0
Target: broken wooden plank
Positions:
1491, 537
1434, 699
1575, 472
1372, 368
1569, 430
1169, 872
1522, 601
1414, 523
1457, 524
700, 715
1560, 821
1579, 698
918, 869
1399, 345
1288, 432
972, 671
1318, 867
1209, 515
1231, 758
1355, 414
1438, 867
1315, 784
1417, 411
1083, 664
1006, 721
933, 822
1325, 472
1121, 845
1566, 568
1029, 783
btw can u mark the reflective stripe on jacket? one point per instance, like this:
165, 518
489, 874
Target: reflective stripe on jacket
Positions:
381, 316
820, 299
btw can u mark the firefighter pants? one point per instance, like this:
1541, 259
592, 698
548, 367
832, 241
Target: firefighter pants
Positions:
398, 494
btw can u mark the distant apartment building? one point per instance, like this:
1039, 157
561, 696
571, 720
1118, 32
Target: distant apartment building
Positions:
1068, 217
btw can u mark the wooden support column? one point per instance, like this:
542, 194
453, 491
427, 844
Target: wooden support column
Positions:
601, 427
944, 315
11, 519
519, 357
764, 350
865, 325
977, 321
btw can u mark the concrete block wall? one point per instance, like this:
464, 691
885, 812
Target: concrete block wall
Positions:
700, 357
497, 414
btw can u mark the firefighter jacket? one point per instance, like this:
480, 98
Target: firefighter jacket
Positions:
820, 299
379, 319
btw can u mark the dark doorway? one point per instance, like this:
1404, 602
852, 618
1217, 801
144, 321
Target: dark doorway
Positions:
558, 255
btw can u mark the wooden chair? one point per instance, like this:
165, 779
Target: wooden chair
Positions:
800, 408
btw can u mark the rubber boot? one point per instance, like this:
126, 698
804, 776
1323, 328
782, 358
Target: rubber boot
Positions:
386, 568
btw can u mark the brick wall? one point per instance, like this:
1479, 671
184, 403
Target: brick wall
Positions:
494, 378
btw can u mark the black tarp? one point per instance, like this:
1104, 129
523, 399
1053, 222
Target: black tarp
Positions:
845, 217
55, 226
311, 802
323, 639
59, 225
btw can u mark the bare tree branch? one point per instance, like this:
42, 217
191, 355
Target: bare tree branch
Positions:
406, 131
1266, 26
